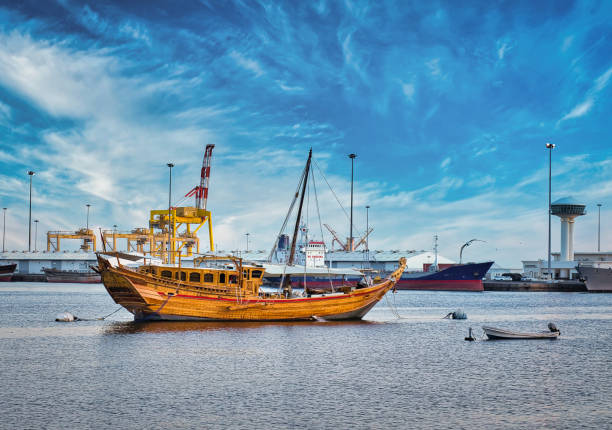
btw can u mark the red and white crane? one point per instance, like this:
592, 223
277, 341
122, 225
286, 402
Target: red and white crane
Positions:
201, 191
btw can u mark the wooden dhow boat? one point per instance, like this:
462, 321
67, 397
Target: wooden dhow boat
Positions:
228, 292
226, 288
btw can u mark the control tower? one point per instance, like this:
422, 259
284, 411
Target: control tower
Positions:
567, 209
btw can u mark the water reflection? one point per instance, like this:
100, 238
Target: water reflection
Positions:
132, 327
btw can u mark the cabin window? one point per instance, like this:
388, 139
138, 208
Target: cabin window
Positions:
166, 274
183, 276
256, 274
208, 277
245, 273
222, 278
232, 279
194, 277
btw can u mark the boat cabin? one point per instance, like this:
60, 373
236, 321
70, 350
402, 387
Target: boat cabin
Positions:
210, 277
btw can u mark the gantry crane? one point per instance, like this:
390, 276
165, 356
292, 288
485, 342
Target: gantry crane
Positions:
86, 235
138, 240
173, 229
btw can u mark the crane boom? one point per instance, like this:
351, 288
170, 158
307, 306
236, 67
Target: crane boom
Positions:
201, 191
365, 236
335, 235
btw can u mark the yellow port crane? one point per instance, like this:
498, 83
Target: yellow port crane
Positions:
175, 230
86, 235
138, 239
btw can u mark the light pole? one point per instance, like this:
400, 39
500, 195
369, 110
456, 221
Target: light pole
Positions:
550, 147
36, 235
352, 157
87, 225
598, 227
169, 247
247, 237
30, 173
3, 228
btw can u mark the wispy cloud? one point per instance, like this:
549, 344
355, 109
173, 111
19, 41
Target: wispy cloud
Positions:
247, 63
587, 104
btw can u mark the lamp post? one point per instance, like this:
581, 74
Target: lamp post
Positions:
87, 225
598, 227
247, 238
3, 227
550, 147
114, 237
352, 157
35, 235
169, 247
30, 173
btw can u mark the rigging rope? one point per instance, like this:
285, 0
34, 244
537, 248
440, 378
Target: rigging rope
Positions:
336, 197
314, 186
297, 192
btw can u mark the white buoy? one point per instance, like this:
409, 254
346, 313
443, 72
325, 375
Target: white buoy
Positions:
65, 317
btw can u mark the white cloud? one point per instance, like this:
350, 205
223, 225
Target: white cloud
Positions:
408, 90
247, 63
445, 163
579, 110
567, 43
587, 104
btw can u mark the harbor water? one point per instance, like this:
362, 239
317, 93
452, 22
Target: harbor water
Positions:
384, 372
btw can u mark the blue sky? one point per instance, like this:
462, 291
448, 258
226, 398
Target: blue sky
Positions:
448, 106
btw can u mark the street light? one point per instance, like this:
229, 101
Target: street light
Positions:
352, 157
30, 173
550, 147
598, 227
247, 237
36, 235
169, 246
88, 206
3, 227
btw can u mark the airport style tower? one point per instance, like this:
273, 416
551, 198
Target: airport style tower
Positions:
567, 209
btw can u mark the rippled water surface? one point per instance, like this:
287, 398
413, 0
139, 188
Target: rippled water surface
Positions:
383, 372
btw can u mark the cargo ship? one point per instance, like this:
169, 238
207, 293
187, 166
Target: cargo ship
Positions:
426, 270
596, 279
6, 272
460, 277
72, 276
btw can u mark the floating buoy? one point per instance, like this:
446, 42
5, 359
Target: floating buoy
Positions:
469, 336
65, 317
457, 315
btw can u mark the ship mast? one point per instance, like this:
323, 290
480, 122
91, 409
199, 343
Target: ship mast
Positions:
299, 214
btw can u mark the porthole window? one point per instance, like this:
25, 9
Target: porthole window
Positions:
208, 277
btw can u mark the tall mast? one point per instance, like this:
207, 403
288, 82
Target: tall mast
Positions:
299, 214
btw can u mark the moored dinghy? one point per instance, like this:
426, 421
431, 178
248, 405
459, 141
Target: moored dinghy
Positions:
494, 333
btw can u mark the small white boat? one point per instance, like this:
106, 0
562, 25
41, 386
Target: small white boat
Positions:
494, 333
